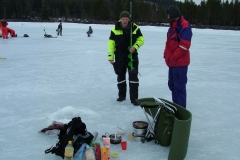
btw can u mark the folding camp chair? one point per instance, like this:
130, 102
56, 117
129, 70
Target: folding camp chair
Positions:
153, 109
181, 128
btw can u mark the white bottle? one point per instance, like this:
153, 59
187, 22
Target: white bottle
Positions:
89, 153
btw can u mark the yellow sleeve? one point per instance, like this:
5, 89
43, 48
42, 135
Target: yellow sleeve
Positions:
111, 50
139, 42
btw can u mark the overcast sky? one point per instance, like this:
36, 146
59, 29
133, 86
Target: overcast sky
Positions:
197, 1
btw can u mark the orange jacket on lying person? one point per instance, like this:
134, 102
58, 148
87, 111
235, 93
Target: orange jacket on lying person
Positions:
12, 32
4, 28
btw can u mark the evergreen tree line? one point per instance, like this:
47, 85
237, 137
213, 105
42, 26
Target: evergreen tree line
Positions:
208, 12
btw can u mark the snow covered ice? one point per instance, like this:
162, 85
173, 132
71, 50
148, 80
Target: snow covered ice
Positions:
55, 79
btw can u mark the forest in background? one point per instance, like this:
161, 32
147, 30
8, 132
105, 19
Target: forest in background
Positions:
208, 12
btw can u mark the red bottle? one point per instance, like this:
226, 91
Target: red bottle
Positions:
98, 151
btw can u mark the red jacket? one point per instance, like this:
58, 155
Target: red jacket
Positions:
178, 42
12, 32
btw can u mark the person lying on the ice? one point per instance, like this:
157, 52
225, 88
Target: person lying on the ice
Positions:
4, 28
12, 32
56, 127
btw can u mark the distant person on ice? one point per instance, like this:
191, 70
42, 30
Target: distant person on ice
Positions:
60, 29
11, 32
177, 54
125, 40
4, 24
6, 30
90, 31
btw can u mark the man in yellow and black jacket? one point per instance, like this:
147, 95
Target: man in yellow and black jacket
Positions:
124, 42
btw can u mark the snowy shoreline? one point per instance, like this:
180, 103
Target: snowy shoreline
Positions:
199, 26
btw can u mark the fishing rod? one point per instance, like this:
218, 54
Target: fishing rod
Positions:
130, 63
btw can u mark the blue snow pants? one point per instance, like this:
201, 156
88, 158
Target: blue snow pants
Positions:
177, 81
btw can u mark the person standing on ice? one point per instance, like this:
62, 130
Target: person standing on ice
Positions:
60, 29
0, 29
177, 54
4, 24
124, 42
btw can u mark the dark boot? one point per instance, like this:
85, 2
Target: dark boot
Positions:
133, 93
120, 99
122, 90
134, 103
133, 86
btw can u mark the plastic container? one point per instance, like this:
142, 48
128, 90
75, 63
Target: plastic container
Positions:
114, 154
79, 154
68, 154
89, 153
104, 153
95, 134
106, 143
98, 151
124, 145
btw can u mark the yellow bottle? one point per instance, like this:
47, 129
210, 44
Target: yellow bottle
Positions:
104, 153
68, 154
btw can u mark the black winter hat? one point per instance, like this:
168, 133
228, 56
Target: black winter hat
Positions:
173, 12
124, 14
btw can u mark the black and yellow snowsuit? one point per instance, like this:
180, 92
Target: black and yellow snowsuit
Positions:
118, 50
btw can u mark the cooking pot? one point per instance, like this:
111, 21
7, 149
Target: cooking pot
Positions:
137, 137
115, 140
140, 127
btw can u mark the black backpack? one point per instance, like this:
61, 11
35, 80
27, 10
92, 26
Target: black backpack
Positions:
74, 131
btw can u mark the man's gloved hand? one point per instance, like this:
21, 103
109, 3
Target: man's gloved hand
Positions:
111, 62
132, 49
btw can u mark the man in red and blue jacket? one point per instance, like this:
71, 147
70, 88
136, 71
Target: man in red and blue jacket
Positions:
177, 55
